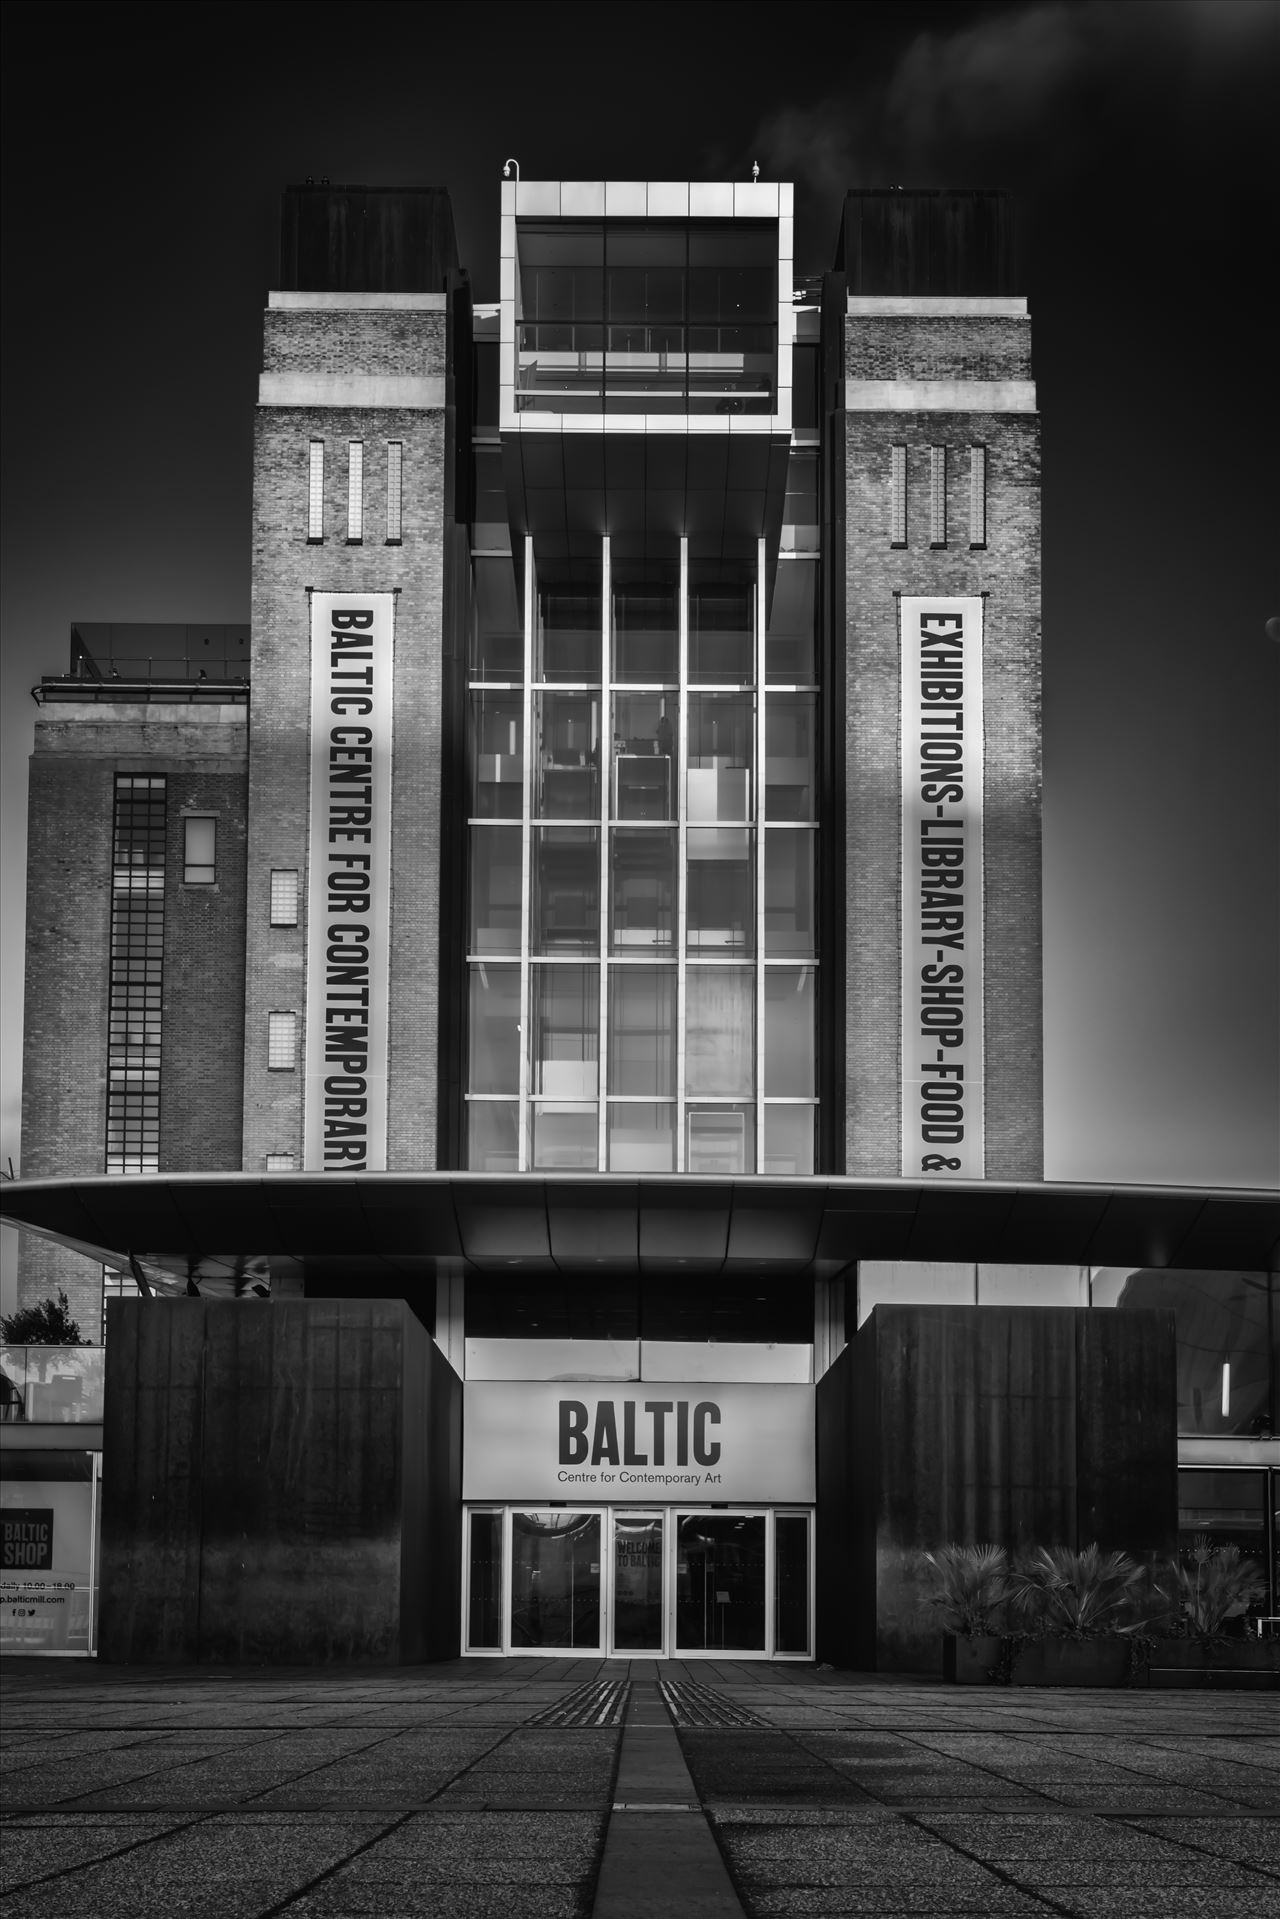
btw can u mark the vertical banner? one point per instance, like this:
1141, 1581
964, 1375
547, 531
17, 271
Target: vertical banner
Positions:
349, 883
942, 774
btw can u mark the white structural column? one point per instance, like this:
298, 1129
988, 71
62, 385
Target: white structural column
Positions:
682, 855
523, 1117
606, 785
758, 814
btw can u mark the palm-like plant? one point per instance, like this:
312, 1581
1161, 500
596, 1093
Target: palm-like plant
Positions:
1077, 1591
973, 1587
1216, 1586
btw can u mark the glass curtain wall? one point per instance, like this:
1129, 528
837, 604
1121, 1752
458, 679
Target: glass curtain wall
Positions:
641, 926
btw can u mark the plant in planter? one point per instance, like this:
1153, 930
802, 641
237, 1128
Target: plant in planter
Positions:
973, 1593
1205, 1592
1083, 1607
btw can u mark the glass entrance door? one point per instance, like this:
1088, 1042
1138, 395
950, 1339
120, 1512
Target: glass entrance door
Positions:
639, 1611
555, 1579
720, 1582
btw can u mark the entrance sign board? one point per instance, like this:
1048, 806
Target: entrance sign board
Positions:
648, 1441
942, 779
349, 883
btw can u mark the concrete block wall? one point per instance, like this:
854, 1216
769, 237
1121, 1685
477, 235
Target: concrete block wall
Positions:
316, 345
79, 749
1007, 571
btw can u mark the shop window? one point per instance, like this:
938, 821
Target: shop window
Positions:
199, 849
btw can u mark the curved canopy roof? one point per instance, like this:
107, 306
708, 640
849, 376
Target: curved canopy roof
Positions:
389, 1233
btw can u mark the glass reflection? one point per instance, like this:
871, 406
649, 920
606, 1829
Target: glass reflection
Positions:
497, 765
720, 903
789, 641
789, 1064
637, 1582
565, 1032
788, 1139
567, 641
789, 756
720, 1140
497, 630
642, 891
719, 1030
564, 1139
722, 624
567, 756
720, 1593
555, 1579
644, 756
641, 1139
790, 924
484, 1603
493, 1057
496, 859
642, 1030
646, 622
565, 908
493, 1136
720, 757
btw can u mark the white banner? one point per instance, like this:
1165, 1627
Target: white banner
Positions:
656, 1442
349, 883
942, 775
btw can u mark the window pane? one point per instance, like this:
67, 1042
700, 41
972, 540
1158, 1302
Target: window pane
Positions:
720, 1140
493, 1137
1225, 1359
564, 1139
720, 1030
568, 639
720, 1589
642, 890
720, 756
788, 646
493, 1064
646, 623
495, 889
497, 725
789, 745
284, 896
565, 1039
200, 838
644, 756
282, 1041
789, 920
484, 1609
567, 756
497, 631
788, 1139
565, 916
722, 623
791, 1590
642, 1139
555, 1579
789, 1065
642, 1030
720, 904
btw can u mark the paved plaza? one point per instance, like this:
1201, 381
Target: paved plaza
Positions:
545, 1789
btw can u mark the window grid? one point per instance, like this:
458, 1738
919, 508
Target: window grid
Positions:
136, 974
284, 896
282, 1042
547, 777
281, 1163
395, 480
937, 496
897, 496
977, 496
355, 493
315, 492
199, 849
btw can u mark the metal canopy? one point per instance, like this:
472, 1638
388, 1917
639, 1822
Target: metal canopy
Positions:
391, 1233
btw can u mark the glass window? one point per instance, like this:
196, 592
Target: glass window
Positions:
495, 889
788, 1139
565, 911
566, 783
199, 849
1226, 1332
484, 1584
804, 386
280, 1162
646, 623
47, 1526
789, 638
977, 496
637, 1582
559, 310
720, 1140
641, 1139
497, 620
555, 1579
720, 757
720, 1589
789, 1064
315, 491
568, 638
1217, 1509
722, 624
564, 1138
395, 490
642, 890
493, 1131
790, 738
642, 1030
791, 1582
720, 901
282, 1042
720, 1030
916, 1282
497, 742
789, 919
493, 1052
644, 756
564, 1048
355, 493
490, 527
284, 896
1033, 1285
897, 495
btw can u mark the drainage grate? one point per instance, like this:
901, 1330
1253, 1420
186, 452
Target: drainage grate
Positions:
599, 1704
693, 1705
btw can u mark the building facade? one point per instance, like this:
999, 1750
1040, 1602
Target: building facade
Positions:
577, 954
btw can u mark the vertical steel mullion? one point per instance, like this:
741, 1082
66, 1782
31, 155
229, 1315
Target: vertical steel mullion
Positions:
759, 816
606, 778
526, 859
770, 1582
682, 845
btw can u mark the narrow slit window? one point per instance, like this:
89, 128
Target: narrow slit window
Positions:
315, 492
937, 496
284, 896
395, 473
977, 496
282, 1042
281, 1163
898, 496
355, 493
199, 850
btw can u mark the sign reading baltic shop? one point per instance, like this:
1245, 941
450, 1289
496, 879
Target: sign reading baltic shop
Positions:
649, 1440
942, 777
349, 882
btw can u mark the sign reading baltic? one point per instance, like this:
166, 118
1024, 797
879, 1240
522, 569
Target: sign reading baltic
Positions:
942, 777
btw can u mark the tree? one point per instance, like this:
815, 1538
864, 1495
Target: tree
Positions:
48, 1324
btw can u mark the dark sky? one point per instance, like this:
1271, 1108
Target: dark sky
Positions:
147, 148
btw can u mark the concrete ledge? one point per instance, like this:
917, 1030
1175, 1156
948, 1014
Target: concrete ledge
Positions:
953, 306
940, 396
358, 302
417, 393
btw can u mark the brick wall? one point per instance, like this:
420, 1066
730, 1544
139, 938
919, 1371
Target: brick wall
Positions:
1008, 572
951, 347
284, 566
